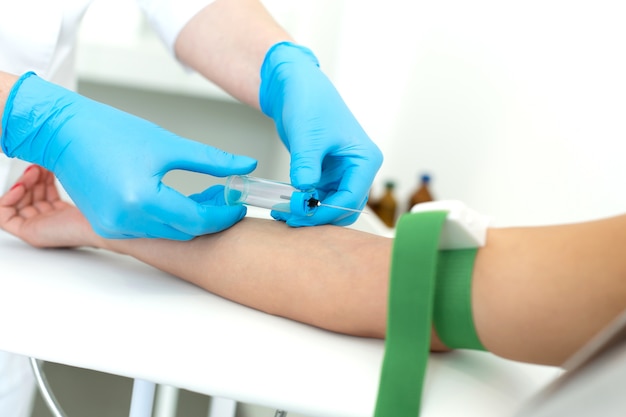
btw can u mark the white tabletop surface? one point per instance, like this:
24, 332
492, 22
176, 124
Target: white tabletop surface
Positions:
111, 313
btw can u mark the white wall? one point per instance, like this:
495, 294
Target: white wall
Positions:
517, 108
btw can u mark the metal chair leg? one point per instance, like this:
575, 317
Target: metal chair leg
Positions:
166, 401
142, 400
222, 407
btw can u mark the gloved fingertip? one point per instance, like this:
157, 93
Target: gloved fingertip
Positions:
300, 222
279, 215
305, 177
243, 212
221, 163
232, 216
245, 163
239, 212
213, 194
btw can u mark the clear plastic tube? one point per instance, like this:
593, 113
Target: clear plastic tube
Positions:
272, 195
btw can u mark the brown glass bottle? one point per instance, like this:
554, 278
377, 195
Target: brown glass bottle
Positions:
372, 203
422, 194
387, 205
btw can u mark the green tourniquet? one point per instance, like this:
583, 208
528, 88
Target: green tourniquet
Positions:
410, 310
453, 318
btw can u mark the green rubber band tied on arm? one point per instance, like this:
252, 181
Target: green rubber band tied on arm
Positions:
412, 293
452, 315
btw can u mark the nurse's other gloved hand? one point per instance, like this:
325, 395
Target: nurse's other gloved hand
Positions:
111, 163
330, 151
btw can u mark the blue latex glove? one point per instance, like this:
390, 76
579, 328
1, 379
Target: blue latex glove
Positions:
111, 163
330, 151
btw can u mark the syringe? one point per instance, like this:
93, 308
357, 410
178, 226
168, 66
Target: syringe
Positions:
273, 195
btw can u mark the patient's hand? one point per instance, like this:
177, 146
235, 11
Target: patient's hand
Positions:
33, 211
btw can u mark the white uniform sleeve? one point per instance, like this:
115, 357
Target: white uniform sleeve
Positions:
168, 17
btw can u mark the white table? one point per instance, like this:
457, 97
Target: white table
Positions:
110, 313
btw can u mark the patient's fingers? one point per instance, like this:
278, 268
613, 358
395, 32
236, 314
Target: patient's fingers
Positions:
33, 211
9, 214
42, 183
45, 193
13, 196
40, 193
34, 193
20, 194
15, 206
52, 192
30, 176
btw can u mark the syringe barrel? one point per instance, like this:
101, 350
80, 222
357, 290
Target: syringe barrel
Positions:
260, 192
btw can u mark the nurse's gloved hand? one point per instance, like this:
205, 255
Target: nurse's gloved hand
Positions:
111, 163
330, 151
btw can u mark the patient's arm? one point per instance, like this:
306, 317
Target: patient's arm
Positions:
538, 293
327, 276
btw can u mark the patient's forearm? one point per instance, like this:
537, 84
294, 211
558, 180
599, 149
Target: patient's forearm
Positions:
327, 276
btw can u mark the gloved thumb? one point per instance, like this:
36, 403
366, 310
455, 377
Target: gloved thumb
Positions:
198, 157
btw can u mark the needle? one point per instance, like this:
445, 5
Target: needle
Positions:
340, 208
313, 202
